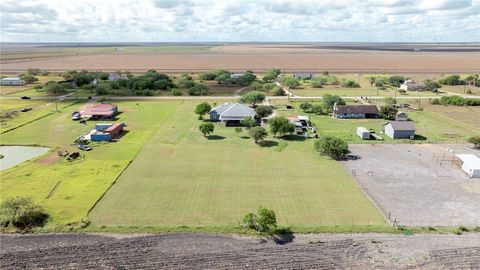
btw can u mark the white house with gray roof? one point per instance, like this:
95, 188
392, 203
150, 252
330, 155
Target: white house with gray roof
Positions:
12, 81
231, 112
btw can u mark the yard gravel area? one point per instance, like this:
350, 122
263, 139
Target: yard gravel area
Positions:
203, 251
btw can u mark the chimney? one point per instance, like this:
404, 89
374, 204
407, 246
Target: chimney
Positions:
335, 106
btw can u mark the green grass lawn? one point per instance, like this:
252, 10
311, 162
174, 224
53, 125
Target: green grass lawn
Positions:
181, 178
39, 109
433, 123
69, 190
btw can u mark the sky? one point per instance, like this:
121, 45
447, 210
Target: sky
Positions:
240, 21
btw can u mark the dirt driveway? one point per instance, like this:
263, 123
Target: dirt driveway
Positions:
417, 185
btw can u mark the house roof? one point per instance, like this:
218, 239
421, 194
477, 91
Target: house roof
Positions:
11, 79
356, 109
233, 110
113, 127
402, 125
100, 109
238, 110
470, 160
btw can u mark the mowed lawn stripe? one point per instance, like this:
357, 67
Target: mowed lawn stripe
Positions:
181, 178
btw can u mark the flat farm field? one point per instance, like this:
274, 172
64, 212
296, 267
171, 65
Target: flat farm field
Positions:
238, 58
181, 178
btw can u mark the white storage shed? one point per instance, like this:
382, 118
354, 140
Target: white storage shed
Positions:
363, 133
470, 164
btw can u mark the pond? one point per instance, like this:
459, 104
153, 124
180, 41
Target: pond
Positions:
14, 155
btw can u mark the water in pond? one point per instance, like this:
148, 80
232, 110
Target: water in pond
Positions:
14, 155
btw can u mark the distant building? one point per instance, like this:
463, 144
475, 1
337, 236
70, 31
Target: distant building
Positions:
12, 81
231, 112
401, 116
114, 76
235, 75
400, 130
410, 85
303, 75
355, 111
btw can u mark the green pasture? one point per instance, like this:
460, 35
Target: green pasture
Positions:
181, 178
69, 189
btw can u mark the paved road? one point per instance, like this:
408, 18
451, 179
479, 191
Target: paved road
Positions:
207, 97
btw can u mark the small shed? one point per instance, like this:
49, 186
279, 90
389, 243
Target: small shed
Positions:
470, 164
401, 116
114, 130
100, 136
363, 133
399, 129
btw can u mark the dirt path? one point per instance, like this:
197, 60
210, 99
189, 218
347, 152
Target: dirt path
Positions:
200, 251
287, 90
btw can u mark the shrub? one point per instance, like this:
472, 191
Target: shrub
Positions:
451, 80
396, 80
29, 78
291, 82
22, 213
176, 92
475, 140
350, 84
248, 122
258, 134
278, 92
198, 89
263, 220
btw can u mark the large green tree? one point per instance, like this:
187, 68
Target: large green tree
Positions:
388, 112
263, 110
333, 147
258, 134
329, 100
202, 109
280, 125
253, 98
206, 128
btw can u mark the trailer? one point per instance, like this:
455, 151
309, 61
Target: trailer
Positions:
363, 133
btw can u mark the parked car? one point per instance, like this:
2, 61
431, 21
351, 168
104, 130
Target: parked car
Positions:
25, 97
76, 116
26, 109
84, 147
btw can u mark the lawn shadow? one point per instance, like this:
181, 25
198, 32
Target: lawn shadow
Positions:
292, 137
244, 137
268, 143
419, 138
283, 236
215, 137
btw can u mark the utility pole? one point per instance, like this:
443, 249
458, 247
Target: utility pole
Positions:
56, 103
